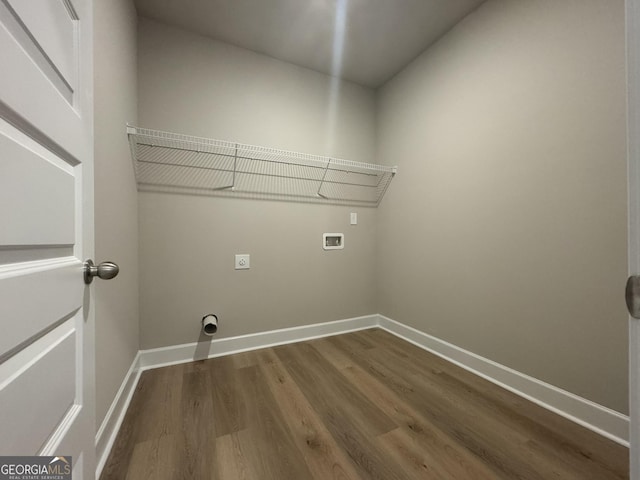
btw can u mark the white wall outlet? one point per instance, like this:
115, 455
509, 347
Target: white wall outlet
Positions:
354, 218
243, 262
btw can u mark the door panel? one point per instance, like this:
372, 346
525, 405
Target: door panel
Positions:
36, 401
40, 204
54, 289
52, 25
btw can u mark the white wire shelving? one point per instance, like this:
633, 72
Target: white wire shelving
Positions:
178, 163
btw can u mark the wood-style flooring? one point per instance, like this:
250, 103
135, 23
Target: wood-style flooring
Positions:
364, 405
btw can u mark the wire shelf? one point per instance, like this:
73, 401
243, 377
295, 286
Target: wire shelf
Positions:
178, 163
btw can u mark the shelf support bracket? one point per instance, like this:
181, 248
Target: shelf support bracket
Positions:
235, 168
324, 176
231, 187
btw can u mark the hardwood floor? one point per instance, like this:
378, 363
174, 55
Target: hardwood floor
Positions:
363, 405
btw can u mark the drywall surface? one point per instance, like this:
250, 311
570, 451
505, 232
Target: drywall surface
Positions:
505, 230
194, 85
116, 215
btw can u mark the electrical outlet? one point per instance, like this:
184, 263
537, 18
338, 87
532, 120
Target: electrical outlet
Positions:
243, 262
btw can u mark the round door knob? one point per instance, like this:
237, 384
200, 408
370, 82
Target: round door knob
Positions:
632, 295
105, 271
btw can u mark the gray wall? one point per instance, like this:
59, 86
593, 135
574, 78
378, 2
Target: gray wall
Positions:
116, 216
505, 230
197, 86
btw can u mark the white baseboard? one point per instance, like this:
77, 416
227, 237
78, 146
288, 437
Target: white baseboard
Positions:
597, 418
591, 415
108, 430
160, 357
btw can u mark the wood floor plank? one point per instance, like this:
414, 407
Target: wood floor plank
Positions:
232, 459
155, 460
160, 414
227, 395
348, 415
329, 388
196, 441
418, 462
448, 459
321, 452
272, 452
245, 359
360, 406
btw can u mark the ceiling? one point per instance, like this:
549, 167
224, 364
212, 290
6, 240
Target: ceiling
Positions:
364, 41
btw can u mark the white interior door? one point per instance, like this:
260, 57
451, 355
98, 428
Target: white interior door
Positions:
633, 73
46, 225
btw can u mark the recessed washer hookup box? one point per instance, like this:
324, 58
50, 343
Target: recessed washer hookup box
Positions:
333, 241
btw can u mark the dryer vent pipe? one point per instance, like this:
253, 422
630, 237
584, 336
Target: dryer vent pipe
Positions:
210, 324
